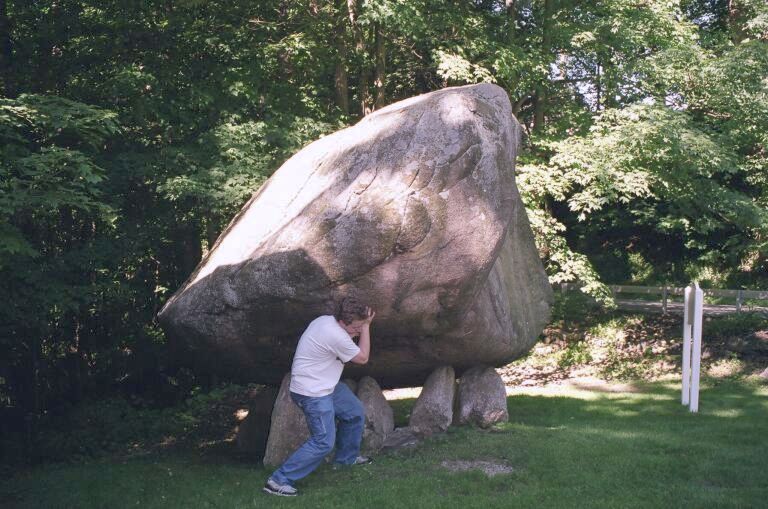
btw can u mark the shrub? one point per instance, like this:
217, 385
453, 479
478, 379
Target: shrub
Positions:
740, 324
575, 354
99, 427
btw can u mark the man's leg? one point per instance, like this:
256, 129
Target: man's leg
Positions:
351, 414
322, 428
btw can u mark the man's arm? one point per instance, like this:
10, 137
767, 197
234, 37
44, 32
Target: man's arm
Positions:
365, 340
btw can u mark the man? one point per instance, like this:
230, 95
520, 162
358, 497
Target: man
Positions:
320, 356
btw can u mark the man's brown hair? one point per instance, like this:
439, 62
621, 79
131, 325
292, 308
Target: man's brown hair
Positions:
351, 309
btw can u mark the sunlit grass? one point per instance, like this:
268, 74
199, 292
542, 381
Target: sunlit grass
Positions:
573, 448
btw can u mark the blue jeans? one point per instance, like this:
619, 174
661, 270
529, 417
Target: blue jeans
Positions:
321, 414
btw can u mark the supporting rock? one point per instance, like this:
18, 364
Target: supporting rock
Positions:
482, 398
379, 418
253, 432
288, 429
401, 438
433, 411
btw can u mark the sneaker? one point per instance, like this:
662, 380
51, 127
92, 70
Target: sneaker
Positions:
282, 490
360, 460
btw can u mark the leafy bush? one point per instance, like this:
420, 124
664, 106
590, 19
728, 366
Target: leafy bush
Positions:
575, 354
740, 324
571, 306
97, 428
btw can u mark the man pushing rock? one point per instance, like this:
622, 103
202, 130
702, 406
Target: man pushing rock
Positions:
323, 349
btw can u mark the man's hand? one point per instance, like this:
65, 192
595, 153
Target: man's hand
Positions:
365, 337
369, 315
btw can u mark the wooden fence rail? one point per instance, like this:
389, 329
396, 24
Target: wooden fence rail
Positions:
665, 292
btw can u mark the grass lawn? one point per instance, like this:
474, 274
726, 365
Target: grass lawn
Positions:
568, 448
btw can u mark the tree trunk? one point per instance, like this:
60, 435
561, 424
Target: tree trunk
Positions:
518, 105
285, 67
598, 87
512, 34
211, 232
511, 9
353, 7
48, 79
736, 20
34, 416
6, 85
340, 80
191, 249
540, 106
380, 67
76, 363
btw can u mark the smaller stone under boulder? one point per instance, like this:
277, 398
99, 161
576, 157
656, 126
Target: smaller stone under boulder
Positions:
288, 429
482, 398
253, 432
402, 438
433, 410
379, 418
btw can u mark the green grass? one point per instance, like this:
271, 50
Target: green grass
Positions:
570, 449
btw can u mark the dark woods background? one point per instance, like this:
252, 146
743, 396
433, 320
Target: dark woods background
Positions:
131, 132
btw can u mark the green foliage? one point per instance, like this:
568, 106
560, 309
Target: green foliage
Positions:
655, 169
570, 306
454, 68
245, 154
48, 169
741, 324
624, 347
115, 425
99, 428
575, 354
130, 134
563, 264
658, 156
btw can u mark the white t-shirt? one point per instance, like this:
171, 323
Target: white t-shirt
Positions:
320, 356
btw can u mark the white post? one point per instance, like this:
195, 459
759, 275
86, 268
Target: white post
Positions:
687, 315
696, 357
692, 321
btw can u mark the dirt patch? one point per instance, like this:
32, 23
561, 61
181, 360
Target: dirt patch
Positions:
631, 348
488, 467
724, 368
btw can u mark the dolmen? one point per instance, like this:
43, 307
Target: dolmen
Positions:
414, 210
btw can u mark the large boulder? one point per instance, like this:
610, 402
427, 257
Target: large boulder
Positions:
433, 410
288, 428
379, 418
414, 209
